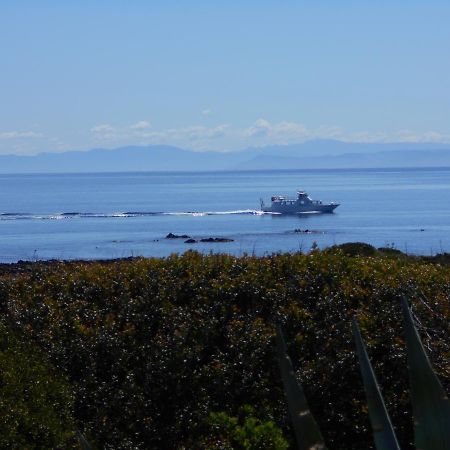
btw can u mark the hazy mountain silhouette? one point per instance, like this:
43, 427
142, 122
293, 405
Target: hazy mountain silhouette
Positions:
327, 154
383, 159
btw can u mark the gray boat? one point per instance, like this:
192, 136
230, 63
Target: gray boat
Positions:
302, 204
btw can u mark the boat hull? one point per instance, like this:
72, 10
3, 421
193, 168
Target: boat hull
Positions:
300, 209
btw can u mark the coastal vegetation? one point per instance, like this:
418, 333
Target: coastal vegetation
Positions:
180, 352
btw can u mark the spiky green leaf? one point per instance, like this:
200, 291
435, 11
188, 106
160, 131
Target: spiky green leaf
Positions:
431, 406
383, 432
84, 444
307, 432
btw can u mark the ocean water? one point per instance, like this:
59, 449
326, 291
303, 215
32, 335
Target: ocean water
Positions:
96, 216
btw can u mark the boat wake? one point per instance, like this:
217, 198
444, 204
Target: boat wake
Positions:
128, 214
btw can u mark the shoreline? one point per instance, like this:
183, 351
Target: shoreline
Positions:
355, 249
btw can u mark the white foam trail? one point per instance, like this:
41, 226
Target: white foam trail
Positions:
92, 215
56, 217
219, 213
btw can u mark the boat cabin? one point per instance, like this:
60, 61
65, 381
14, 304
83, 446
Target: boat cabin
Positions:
302, 198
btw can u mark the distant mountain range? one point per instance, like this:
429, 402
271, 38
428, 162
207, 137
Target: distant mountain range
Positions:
318, 154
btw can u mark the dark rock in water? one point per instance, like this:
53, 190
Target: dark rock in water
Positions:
207, 240
211, 239
307, 231
176, 236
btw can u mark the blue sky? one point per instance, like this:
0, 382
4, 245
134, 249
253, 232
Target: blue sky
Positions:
221, 75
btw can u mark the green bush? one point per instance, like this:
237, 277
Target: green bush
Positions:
153, 346
357, 249
35, 401
245, 432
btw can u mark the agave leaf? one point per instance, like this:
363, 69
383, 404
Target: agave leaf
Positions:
431, 406
383, 433
84, 444
307, 432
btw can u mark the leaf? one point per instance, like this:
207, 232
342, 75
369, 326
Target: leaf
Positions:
383, 432
431, 406
307, 432
84, 444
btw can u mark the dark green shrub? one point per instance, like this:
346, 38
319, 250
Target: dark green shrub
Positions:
357, 249
35, 401
431, 406
391, 251
245, 432
152, 346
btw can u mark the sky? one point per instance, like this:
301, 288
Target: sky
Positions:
221, 75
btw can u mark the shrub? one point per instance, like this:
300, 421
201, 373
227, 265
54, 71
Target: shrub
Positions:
357, 249
245, 432
35, 401
153, 346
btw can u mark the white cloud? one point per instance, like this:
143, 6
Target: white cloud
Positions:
261, 127
221, 137
384, 137
19, 134
291, 130
224, 137
201, 132
266, 132
103, 129
141, 125
195, 136
193, 133
104, 132
428, 136
206, 112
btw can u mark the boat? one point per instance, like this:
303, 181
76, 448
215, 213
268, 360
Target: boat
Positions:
302, 204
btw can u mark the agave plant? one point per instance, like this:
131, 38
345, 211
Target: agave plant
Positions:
431, 406
383, 432
307, 432
84, 444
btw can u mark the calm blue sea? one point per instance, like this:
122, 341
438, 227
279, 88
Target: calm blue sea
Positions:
93, 216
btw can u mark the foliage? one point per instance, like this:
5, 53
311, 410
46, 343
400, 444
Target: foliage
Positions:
245, 432
307, 433
383, 432
35, 402
431, 406
358, 249
153, 346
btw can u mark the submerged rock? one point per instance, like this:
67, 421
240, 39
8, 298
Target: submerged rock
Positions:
217, 239
208, 240
307, 231
176, 236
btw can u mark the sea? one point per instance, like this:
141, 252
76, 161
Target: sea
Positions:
120, 215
